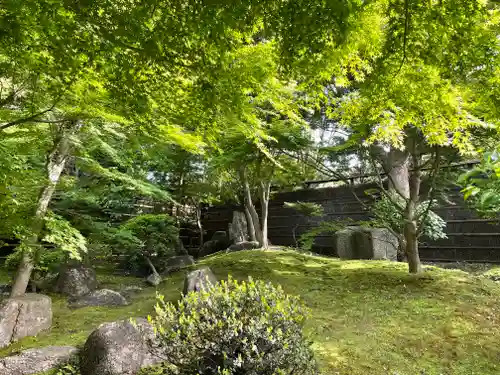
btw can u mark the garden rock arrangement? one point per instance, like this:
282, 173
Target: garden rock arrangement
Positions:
119, 348
238, 228
33, 361
76, 281
100, 297
199, 280
23, 316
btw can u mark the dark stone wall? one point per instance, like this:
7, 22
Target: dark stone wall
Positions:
470, 238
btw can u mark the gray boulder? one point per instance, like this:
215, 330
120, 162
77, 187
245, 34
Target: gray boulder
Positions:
199, 280
176, 263
154, 279
76, 280
220, 235
245, 245
100, 297
208, 248
366, 243
238, 228
130, 291
23, 316
33, 361
119, 348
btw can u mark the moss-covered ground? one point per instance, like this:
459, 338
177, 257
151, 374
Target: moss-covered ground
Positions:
367, 317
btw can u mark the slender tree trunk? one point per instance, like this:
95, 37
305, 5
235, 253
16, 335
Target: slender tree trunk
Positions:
55, 165
410, 215
251, 208
198, 223
264, 200
151, 265
251, 228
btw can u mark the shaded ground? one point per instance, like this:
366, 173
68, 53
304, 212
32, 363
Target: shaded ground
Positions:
367, 317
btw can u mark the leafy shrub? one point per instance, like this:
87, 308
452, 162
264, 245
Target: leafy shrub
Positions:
148, 237
389, 216
60, 242
250, 328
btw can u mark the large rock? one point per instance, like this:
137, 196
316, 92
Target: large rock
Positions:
344, 245
375, 243
119, 348
220, 235
100, 297
176, 263
199, 280
76, 281
23, 316
366, 243
154, 279
33, 361
238, 228
245, 245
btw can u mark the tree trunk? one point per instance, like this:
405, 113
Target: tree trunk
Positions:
151, 265
55, 165
264, 200
254, 217
199, 224
397, 167
251, 228
410, 215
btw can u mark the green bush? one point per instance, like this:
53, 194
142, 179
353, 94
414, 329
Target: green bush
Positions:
153, 237
247, 328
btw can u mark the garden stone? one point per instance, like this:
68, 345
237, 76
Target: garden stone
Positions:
119, 348
245, 245
154, 279
376, 244
238, 228
220, 235
76, 281
130, 291
199, 280
344, 242
23, 316
100, 297
176, 263
33, 361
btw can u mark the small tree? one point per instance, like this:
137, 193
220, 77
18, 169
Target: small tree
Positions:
147, 240
306, 209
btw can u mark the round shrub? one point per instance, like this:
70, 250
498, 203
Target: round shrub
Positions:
247, 328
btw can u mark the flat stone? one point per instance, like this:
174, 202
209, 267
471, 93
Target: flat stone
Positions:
33, 361
100, 297
119, 348
23, 316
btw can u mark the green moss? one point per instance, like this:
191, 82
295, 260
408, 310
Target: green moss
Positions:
368, 317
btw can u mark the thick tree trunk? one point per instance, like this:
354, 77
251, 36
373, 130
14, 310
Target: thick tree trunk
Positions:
410, 215
264, 198
55, 165
397, 167
254, 216
251, 228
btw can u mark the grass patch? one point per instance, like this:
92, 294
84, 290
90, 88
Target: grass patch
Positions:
368, 317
